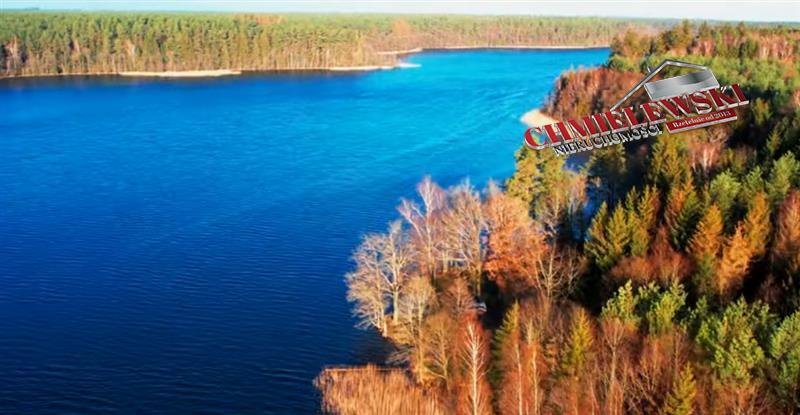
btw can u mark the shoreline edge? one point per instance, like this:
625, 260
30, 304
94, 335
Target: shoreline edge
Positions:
213, 73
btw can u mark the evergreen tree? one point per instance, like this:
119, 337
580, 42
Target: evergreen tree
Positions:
752, 184
668, 167
642, 218
704, 248
639, 236
511, 376
596, 242
608, 166
622, 306
608, 237
762, 113
648, 207
785, 172
680, 400
774, 142
525, 183
658, 307
757, 226
578, 346
706, 240
541, 181
618, 233
730, 340
507, 336
723, 191
784, 350
682, 213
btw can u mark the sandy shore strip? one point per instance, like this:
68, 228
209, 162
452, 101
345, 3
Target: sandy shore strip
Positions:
536, 118
183, 74
398, 65
358, 68
400, 52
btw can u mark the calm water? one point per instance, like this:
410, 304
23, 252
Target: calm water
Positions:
180, 246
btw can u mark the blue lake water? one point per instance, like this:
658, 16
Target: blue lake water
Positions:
180, 246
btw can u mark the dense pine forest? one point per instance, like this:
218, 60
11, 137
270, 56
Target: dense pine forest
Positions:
662, 277
40, 43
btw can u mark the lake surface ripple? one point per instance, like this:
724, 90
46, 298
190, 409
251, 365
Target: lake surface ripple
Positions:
179, 246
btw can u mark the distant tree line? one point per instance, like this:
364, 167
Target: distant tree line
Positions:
46, 43
663, 277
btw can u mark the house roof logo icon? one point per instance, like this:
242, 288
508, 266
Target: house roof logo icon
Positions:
700, 80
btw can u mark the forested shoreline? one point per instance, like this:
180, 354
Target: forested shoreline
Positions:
662, 277
63, 43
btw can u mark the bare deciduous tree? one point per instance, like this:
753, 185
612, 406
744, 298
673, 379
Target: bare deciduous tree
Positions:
464, 227
658, 363
416, 300
475, 396
383, 263
397, 256
559, 269
425, 222
367, 285
537, 370
417, 297
457, 297
439, 348
615, 337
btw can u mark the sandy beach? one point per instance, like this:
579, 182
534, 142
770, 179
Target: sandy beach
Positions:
358, 68
400, 52
183, 74
536, 118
